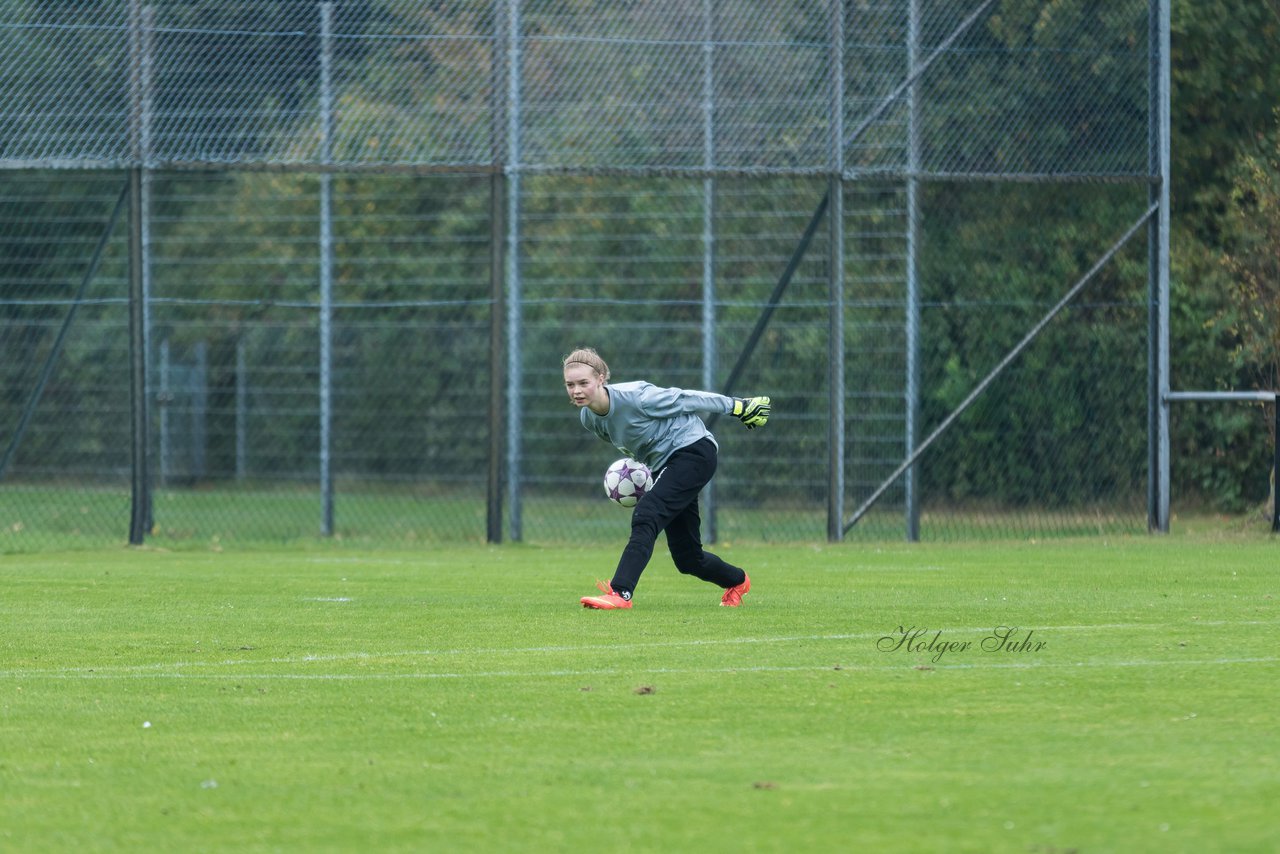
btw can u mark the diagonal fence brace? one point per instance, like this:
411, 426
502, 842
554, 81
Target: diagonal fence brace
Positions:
999, 368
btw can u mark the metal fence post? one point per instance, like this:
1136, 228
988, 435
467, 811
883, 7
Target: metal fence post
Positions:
498, 355
146, 188
709, 340
137, 365
512, 263
497, 312
1158, 275
912, 426
835, 268
140, 510
326, 270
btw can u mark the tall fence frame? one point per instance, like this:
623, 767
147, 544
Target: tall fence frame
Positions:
510, 167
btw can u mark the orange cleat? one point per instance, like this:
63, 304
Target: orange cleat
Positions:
733, 596
608, 601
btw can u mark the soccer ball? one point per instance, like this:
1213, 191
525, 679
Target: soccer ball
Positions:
626, 481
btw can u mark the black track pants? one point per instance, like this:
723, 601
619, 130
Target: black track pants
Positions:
672, 506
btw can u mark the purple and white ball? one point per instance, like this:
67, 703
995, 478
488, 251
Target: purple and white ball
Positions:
626, 481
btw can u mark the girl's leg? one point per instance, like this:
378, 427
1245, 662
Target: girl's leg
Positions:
684, 539
675, 490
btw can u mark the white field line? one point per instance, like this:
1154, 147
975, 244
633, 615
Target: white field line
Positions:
656, 671
143, 669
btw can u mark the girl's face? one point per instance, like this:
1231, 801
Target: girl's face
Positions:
585, 387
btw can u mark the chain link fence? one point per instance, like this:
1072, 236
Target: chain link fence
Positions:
366, 233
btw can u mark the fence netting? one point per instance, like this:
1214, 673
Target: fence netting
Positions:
363, 221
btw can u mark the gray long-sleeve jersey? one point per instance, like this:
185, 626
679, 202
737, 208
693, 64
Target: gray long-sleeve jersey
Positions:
649, 424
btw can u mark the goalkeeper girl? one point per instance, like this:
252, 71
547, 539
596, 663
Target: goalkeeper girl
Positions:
660, 427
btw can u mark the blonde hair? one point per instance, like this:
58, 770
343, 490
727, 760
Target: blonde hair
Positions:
589, 357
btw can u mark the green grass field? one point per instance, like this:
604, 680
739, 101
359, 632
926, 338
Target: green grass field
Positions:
456, 698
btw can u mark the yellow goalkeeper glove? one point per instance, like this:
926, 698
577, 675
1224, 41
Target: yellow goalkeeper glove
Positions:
752, 411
